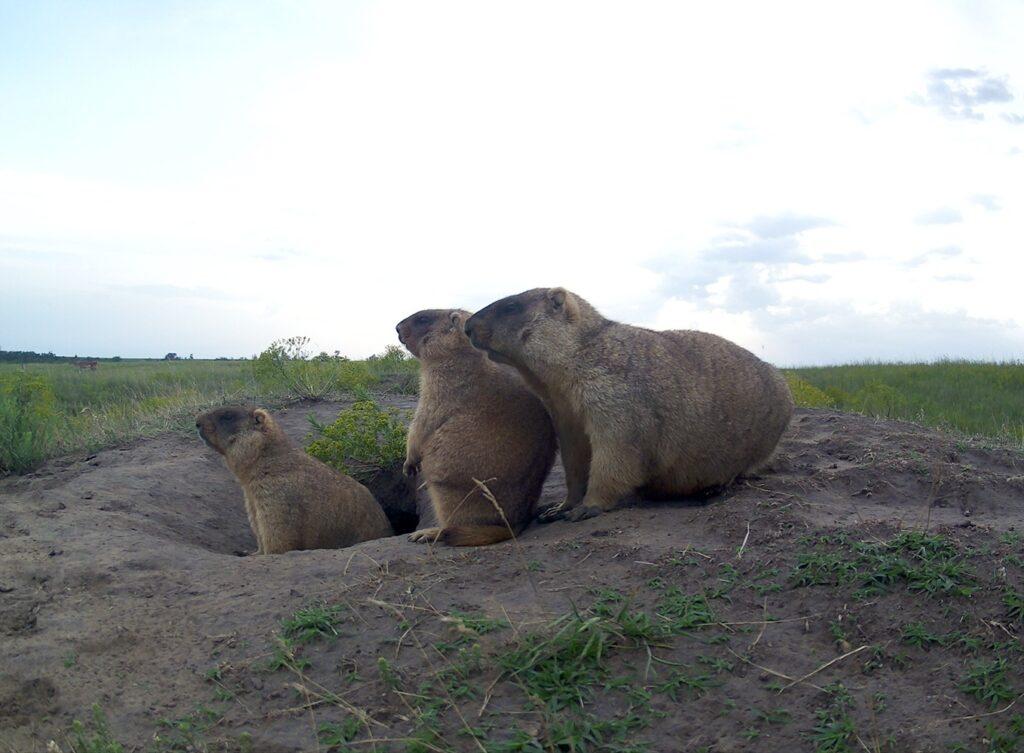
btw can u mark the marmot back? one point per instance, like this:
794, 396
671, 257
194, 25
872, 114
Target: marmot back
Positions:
474, 420
293, 500
658, 413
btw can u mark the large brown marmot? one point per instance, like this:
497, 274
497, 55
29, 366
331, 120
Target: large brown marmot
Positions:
293, 500
475, 420
661, 414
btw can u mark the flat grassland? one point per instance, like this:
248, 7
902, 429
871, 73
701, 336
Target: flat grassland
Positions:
120, 401
967, 397
53, 409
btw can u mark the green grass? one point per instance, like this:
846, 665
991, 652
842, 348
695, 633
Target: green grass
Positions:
970, 397
53, 409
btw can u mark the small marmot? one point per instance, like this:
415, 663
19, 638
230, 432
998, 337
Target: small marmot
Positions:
474, 420
660, 414
293, 500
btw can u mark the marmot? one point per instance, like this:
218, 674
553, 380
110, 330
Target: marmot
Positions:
475, 420
660, 414
293, 500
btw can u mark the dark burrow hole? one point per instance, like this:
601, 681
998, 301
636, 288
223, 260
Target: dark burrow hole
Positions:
213, 515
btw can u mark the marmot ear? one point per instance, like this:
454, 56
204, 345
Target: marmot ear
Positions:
561, 300
458, 319
261, 417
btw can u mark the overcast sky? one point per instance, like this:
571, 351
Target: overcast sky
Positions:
819, 183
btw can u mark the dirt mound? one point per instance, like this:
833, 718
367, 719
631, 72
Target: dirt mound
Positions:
860, 590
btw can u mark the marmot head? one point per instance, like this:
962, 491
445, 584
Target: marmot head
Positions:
434, 332
222, 427
538, 321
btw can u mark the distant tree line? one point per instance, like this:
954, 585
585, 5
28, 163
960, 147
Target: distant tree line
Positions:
30, 356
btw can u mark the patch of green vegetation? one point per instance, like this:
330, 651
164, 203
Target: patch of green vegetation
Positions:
987, 681
94, 737
921, 562
683, 611
77, 410
773, 716
285, 656
312, 623
916, 634
1006, 739
287, 366
335, 736
805, 394
394, 371
1014, 603
971, 397
28, 420
363, 440
835, 731
696, 685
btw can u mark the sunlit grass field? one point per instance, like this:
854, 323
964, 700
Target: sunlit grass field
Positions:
68, 410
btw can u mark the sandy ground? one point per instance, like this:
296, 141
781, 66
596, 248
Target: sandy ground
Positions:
121, 585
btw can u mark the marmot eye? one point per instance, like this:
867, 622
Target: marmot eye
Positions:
511, 308
422, 320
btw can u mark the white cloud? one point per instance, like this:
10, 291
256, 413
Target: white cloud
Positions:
666, 161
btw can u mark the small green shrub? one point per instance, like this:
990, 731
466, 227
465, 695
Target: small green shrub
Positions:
362, 441
806, 395
28, 419
288, 366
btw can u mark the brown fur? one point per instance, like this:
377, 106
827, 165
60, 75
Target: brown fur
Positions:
637, 411
475, 420
293, 500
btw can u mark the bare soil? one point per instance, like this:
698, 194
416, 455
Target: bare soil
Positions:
122, 586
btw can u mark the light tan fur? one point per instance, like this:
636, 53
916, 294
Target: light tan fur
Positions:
475, 420
659, 414
293, 500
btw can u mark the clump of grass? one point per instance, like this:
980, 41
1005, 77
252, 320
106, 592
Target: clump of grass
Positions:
313, 623
561, 667
335, 736
986, 681
94, 737
362, 441
28, 420
921, 562
683, 611
1014, 603
834, 731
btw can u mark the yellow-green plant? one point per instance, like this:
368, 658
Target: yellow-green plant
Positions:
806, 395
28, 419
362, 441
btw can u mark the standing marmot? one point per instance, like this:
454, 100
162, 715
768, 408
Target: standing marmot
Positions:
659, 413
474, 420
293, 500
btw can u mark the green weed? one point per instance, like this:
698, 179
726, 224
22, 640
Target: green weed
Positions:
363, 440
94, 737
987, 682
